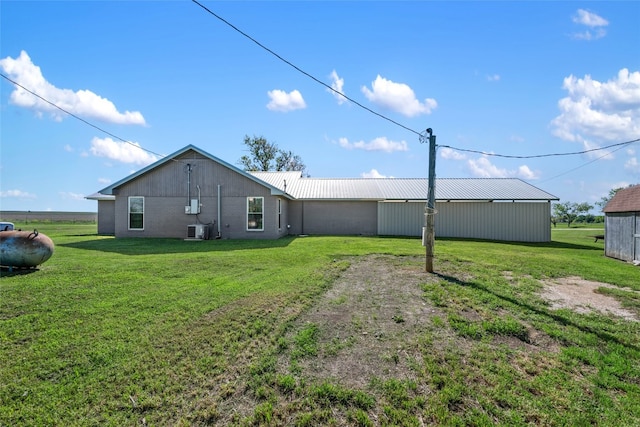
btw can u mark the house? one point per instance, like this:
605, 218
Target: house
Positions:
622, 225
192, 193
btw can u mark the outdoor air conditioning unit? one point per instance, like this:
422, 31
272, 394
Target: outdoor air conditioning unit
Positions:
197, 231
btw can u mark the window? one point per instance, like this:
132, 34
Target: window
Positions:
136, 213
255, 213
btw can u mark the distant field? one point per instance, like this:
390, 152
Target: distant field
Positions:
26, 217
315, 331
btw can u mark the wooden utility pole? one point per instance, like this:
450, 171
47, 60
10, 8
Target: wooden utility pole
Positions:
430, 209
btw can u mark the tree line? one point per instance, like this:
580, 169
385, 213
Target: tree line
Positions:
570, 212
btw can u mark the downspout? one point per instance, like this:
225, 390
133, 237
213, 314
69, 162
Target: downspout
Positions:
188, 184
218, 211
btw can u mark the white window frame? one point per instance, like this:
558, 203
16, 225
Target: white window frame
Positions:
261, 214
129, 213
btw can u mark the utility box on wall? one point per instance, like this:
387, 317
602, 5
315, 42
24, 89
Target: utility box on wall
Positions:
193, 208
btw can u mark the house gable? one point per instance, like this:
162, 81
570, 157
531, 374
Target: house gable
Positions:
192, 187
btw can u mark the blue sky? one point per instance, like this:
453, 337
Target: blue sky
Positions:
513, 78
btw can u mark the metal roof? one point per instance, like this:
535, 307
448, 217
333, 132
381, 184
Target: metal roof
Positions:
402, 188
294, 185
625, 200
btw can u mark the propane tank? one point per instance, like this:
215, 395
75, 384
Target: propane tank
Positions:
24, 249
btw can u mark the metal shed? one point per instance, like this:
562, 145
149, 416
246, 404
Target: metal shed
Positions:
622, 225
506, 209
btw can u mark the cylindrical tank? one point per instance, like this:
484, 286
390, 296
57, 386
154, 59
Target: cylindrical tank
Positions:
24, 249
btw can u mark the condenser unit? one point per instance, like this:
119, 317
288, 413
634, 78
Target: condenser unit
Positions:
197, 232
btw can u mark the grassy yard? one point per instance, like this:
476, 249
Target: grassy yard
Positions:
116, 332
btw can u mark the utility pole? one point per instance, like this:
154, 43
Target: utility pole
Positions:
430, 209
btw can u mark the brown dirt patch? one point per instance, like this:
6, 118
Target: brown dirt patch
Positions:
581, 296
368, 322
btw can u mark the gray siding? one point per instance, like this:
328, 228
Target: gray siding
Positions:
106, 217
619, 239
166, 190
333, 217
506, 221
401, 218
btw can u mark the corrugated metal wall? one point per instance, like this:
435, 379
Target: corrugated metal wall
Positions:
507, 221
400, 218
334, 217
619, 240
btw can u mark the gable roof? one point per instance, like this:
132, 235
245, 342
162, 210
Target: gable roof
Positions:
293, 185
108, 191
625, 200
459, 189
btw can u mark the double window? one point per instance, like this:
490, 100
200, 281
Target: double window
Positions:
255, 213
136, 213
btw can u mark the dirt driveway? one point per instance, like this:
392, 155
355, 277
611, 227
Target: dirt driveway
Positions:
370, 320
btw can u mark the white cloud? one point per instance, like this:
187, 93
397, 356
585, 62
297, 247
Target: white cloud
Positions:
526, 173
83, 103
377, 144
121, 151
596, 34
632, 165
599, 111
398, 97
483, 168
373, 173
17, 194
71, 196
493, 78
104, 180
337, 84
449, 154
595, 24
282, 101
68, 148
590, 19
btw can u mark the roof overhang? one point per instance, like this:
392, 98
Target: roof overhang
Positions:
100, 197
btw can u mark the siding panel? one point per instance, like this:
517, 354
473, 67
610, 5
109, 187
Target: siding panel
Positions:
508, 221
618, 237
338, 218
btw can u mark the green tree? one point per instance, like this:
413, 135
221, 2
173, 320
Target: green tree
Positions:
266, 156
603, 201
569, 211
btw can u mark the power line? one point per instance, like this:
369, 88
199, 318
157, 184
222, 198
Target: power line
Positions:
588, 163
304, 72
620, 145
420, 135
81, 119
484, 153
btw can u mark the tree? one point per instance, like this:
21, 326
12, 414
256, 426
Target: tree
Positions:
603, 201
266, 156
569, 211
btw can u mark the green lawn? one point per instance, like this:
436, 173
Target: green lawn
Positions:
168, 332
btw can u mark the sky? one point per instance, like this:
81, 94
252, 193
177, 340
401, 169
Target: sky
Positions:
143, 79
